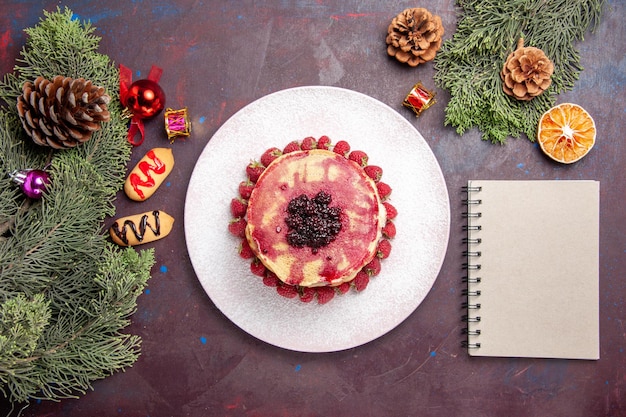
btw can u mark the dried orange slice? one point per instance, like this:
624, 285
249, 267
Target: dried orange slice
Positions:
566, 133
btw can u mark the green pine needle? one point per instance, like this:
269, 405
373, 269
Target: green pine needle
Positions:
469, 64
66, 293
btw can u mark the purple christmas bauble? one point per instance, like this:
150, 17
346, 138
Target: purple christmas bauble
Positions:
33, 182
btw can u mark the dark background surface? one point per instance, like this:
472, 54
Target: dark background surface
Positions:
218, 56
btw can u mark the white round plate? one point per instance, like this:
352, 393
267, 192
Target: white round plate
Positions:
419, 193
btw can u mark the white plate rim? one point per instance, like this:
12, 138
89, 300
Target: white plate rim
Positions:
419, 192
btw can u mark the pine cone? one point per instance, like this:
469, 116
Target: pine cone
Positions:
526, 72
62, 113
414, 36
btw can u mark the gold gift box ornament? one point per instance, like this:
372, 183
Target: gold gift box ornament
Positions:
419, 99
177, 124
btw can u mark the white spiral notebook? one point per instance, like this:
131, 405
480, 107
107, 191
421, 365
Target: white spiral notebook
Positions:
532, 269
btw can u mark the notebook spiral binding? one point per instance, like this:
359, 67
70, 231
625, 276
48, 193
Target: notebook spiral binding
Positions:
471, 294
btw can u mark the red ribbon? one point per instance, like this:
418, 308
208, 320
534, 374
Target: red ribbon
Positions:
136, 123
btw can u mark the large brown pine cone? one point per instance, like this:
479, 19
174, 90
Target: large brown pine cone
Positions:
414, 36
62, 113
526, 73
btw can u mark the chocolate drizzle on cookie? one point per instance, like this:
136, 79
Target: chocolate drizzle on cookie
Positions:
138, 232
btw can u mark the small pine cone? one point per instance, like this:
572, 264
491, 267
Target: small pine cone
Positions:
526, 72
414, 36
62, 113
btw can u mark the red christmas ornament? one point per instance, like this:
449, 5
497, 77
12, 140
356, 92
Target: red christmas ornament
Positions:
143, 98
419, 99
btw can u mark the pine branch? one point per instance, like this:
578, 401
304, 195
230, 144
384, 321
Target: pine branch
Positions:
66, 294
468, 65
75, 352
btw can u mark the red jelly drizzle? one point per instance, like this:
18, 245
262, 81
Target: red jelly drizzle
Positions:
143, 226
342, 194
145, 167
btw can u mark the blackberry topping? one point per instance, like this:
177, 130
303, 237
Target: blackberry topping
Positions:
312, 222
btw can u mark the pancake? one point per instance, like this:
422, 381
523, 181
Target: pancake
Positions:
314, 218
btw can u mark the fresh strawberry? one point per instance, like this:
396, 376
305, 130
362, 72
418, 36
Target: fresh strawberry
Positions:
361, 280
323, 142
237, 227
325, 294
254, 170
391, 210
269, 155
342, 148
383, 190
308, 143
307, 294
344, 287
292, 147
389, 230
359, 157
270, 279
374, 172
373, 267
383, 249
238, 207
288, 291
245, 189
257, 268
245, 251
